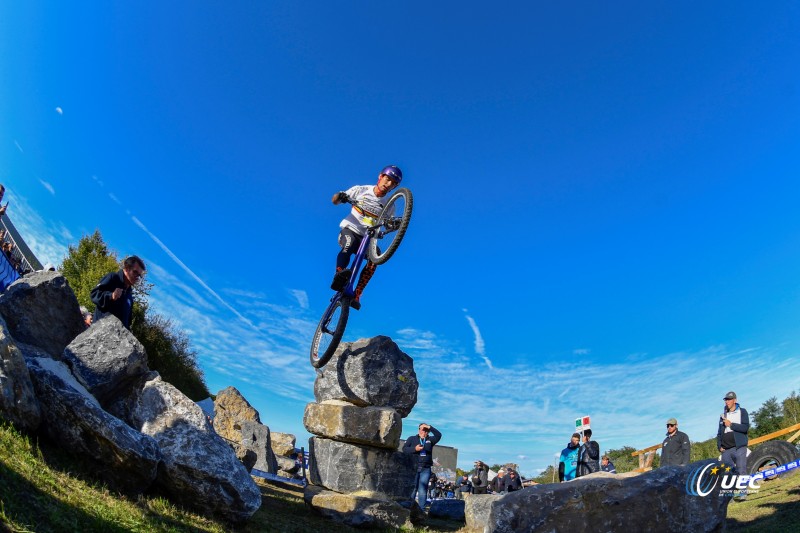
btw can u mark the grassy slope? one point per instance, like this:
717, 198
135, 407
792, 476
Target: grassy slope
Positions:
41, 489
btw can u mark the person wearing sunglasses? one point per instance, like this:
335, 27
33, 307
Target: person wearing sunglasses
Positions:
676, 448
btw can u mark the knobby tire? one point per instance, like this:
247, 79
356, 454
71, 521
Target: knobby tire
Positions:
328, 329
381, 257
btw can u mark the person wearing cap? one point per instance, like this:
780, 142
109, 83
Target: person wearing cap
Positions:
371, 201
676, 448
734, 423
422, 445
512, 481
568, 462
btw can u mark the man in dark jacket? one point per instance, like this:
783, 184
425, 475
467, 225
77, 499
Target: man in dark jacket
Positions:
512, 481
676, 449
422, 445
114, 293
734, 423
480, 478
588, 455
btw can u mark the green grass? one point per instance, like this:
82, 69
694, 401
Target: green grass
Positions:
776, 507
42, 489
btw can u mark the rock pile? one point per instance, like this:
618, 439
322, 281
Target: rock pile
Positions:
358, 475
92, 392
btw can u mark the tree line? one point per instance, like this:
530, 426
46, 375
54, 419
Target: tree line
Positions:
169, 351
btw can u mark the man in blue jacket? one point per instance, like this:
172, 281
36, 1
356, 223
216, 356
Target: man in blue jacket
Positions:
568, 462
114, 293
422, 445
734, 423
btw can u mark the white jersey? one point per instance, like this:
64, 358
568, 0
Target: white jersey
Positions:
361, 218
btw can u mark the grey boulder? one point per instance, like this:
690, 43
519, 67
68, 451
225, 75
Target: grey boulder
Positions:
106, 359
357, 510
41, 309
348, 468
73, 418
369, 372
337, 420
18, 403
450, 509
656, 501
199, 469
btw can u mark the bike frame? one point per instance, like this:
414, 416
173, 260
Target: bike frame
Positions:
349, 290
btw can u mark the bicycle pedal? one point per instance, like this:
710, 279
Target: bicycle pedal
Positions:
340, 279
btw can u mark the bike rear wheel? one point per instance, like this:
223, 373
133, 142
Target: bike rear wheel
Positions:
329, 332
403, 203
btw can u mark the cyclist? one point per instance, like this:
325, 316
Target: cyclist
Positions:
371, 200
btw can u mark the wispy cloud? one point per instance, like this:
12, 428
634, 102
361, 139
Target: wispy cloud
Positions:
114, 198
189, 271
98, 181
581, 351
47, 186
480, 347
19, 147
301, 296
59, 111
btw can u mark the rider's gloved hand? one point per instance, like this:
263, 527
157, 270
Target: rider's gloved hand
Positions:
342, 197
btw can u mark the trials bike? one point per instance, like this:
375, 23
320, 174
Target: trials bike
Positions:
387, 232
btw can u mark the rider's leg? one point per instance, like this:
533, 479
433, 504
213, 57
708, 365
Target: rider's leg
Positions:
366, 275
349, 241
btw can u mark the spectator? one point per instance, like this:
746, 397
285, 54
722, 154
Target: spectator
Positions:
676, 449
422, 445
114, 293
734, 423
480, 478
607, 466
464, 487
87, 317
588, 455
512, 481
498, 484
568, 462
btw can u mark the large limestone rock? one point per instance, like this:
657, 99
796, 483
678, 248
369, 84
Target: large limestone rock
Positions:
338, 420
18, 403
256, 440
230, 410
348, 468
106, 359
282, 443
656, 501
240, 424
369, 372
360, 510
41, 309
476, 510
72, 417
199, 469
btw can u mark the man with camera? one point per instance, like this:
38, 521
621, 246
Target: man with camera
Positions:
480, 478
422, 445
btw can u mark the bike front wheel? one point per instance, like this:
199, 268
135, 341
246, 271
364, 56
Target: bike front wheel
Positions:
394, 219
329, 332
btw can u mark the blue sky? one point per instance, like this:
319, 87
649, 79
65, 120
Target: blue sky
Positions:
605, 220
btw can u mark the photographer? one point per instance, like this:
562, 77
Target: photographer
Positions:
464, 487
480, 478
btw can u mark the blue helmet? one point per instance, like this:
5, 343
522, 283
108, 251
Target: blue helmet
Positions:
393, 172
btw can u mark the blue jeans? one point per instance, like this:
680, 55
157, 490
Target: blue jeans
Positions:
421, 486
737, 456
